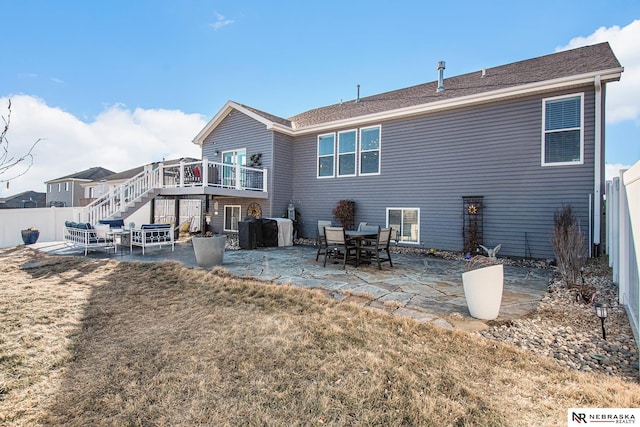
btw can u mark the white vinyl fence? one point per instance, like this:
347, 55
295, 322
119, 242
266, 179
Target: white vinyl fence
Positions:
623, 240
50, 222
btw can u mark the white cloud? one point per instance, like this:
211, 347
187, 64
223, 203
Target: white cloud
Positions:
612, 170
623, 98
118, 139
221, 22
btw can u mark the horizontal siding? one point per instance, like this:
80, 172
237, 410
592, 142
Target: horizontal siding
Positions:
282, 175
237, 131
432, 161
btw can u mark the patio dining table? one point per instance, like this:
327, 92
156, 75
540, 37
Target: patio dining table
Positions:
359, 236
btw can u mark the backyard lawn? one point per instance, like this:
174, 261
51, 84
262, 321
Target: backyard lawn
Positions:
102, 342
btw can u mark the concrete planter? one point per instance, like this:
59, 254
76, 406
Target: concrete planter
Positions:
29, 237
483, 291
209, 250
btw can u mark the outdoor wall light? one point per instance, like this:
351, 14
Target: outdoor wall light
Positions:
602, 310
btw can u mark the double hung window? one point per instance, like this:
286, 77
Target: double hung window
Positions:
347, 153
370, 151
326, 153
404, 223
563, 132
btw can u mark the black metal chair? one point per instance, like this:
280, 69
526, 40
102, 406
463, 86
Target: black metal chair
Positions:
338, 246
379, 247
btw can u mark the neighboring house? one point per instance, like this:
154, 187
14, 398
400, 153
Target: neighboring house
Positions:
502, 148
95, 189
27, 199
68, 192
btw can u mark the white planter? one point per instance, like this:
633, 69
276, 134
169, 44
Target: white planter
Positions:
209, 250
483, 291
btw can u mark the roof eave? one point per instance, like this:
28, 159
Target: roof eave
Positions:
481, 98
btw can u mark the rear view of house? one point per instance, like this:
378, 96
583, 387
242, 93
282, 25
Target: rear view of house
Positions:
494, 152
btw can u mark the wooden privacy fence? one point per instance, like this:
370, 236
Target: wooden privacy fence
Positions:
623, 240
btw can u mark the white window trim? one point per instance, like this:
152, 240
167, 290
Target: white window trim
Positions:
379, 150
333, 174
544, 132
59, 187
224, 218
418, 221
66, 186
355, 153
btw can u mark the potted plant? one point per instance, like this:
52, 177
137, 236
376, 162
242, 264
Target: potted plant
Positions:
345, 212
30, 235
209, 250
483, 283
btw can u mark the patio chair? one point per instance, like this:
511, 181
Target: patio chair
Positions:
320, 237
338, 246
361, 226
379, 247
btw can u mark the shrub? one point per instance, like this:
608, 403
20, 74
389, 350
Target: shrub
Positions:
569, 246
345, 213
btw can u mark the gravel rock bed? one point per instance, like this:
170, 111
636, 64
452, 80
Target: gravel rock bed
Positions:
566, 328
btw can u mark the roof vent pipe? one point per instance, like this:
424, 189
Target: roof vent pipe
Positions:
358, 97
440, 76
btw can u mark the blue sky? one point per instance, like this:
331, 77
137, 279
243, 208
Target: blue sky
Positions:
121, 83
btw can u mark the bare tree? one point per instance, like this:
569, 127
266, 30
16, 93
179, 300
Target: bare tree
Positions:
11, 166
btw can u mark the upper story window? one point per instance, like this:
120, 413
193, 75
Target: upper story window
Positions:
326, 152
59, 187
563, 130
370, 151
50, 188
356, 152
347, 153
66, 186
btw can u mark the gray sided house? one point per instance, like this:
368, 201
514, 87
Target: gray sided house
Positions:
67, 191
481, 158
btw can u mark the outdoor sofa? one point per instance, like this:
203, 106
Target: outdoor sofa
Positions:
84, 235
152, 235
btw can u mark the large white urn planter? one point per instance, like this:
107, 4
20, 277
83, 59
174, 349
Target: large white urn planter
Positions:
209, 250
483, 291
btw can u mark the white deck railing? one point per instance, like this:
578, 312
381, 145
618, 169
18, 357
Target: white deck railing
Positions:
201, 173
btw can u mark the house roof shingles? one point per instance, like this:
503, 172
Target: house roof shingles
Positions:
90, 174
568, 63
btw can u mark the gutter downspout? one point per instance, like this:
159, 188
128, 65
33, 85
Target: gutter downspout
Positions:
597, 199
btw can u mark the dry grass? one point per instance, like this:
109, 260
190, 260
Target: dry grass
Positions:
86, 342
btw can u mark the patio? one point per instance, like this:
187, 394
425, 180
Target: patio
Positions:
426, 288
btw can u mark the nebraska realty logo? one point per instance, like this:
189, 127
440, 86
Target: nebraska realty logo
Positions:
602, 416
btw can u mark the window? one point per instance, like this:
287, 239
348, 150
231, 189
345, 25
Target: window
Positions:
370, 151
231, 217
347, 153
326, 151
404, 223
91, 192
50, 188
66, 186
562, 133
59, 187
